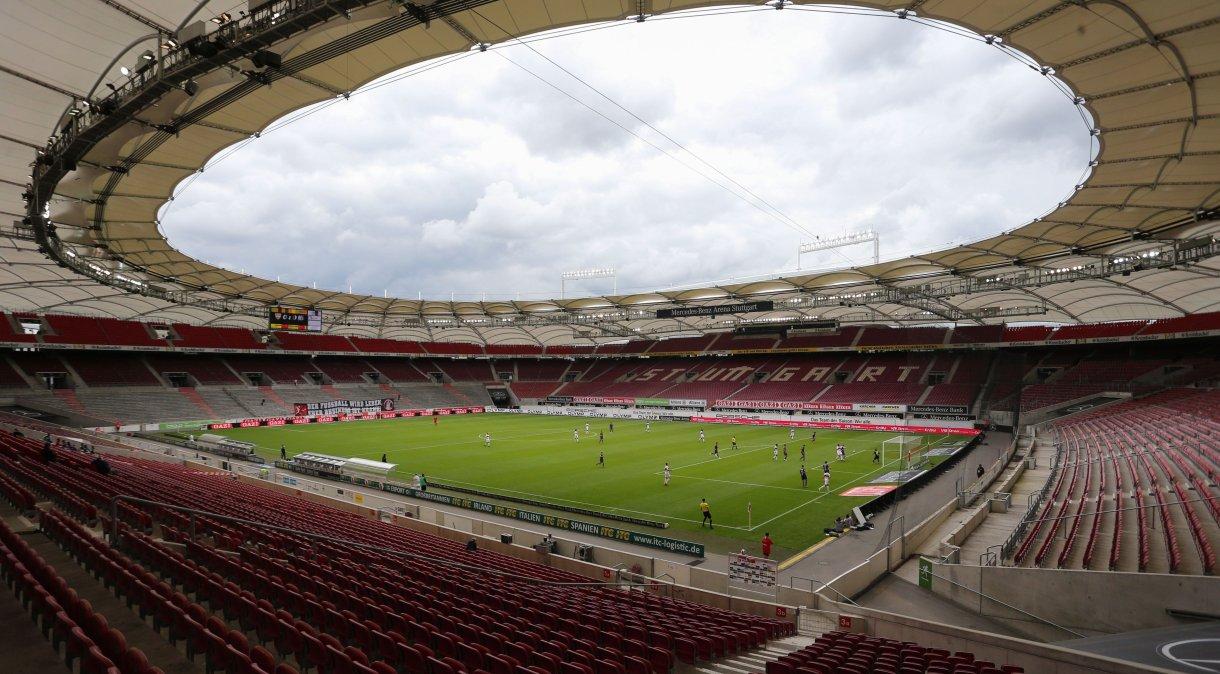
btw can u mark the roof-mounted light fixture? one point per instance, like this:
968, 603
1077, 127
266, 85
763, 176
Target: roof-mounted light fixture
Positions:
584, 274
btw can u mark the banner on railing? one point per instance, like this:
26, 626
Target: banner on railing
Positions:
602, 531
940, 409
783, 405
343, 407
670, 402
602, 400
332, 418
889, 428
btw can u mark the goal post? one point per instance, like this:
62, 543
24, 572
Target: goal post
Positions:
907, 448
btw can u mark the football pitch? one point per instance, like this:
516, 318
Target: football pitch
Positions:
535, 457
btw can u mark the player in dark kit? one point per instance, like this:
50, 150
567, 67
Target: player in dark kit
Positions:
804, 477
601, 460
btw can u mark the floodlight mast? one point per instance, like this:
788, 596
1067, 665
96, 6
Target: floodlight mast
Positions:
842, 242
582, 274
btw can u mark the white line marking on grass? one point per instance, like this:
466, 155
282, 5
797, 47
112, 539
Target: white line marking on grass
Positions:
722, 456
818, 498
479, 441
745, 484
607, 509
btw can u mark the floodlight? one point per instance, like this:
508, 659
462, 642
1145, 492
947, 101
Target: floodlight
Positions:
125, 71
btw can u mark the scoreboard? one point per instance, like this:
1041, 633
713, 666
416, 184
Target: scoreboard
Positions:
294, 319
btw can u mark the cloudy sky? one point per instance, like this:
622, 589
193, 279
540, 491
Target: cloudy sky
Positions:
479, 177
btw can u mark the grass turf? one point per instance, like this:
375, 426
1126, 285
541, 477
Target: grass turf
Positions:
536, 457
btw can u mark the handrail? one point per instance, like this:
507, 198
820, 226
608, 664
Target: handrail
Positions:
1007, 605
825, 586
114, 518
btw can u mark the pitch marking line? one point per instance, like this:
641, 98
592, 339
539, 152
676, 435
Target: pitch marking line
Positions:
604, 508
815, 499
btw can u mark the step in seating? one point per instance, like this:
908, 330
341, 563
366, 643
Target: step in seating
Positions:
242, 598
845, 653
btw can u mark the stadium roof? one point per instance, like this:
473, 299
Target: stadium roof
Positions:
1133, 241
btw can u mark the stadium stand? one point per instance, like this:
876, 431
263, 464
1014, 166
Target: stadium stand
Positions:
397, 370
534, 370
843, 337
10, 330
887, 336
236, 612
683, 344
280, 369
454, 349
1153, 451
861, 654
464, 370
206, 337
727, 341
533, 389
343, 370
205, 369
102, 369
377, 345
304, 341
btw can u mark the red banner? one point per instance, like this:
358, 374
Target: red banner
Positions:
599, 400
784, 405
889, 428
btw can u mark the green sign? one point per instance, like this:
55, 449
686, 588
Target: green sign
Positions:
636, 538
652, 402
925, 573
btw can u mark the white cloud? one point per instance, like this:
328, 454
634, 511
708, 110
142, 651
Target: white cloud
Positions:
477, 177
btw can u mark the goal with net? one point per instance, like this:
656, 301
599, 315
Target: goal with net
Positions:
907, 449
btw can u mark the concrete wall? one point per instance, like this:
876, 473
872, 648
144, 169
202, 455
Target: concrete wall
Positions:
1088, 602
1033, 656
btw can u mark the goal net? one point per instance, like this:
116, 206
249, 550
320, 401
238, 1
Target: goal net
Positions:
907, 449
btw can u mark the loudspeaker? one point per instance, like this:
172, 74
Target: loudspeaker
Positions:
265, 59
506, 539
191, 87
584, 553
203, 48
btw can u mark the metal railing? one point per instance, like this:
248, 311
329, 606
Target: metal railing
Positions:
1006, 605
1034, 502
822, 586
194, 514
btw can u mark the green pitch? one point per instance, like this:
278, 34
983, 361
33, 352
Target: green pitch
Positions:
535, 457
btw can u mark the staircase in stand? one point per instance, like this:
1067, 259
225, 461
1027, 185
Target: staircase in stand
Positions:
193, 396
401, 401
270, 394
332, 391
135, 630
465, 399
754, 662
68, 396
